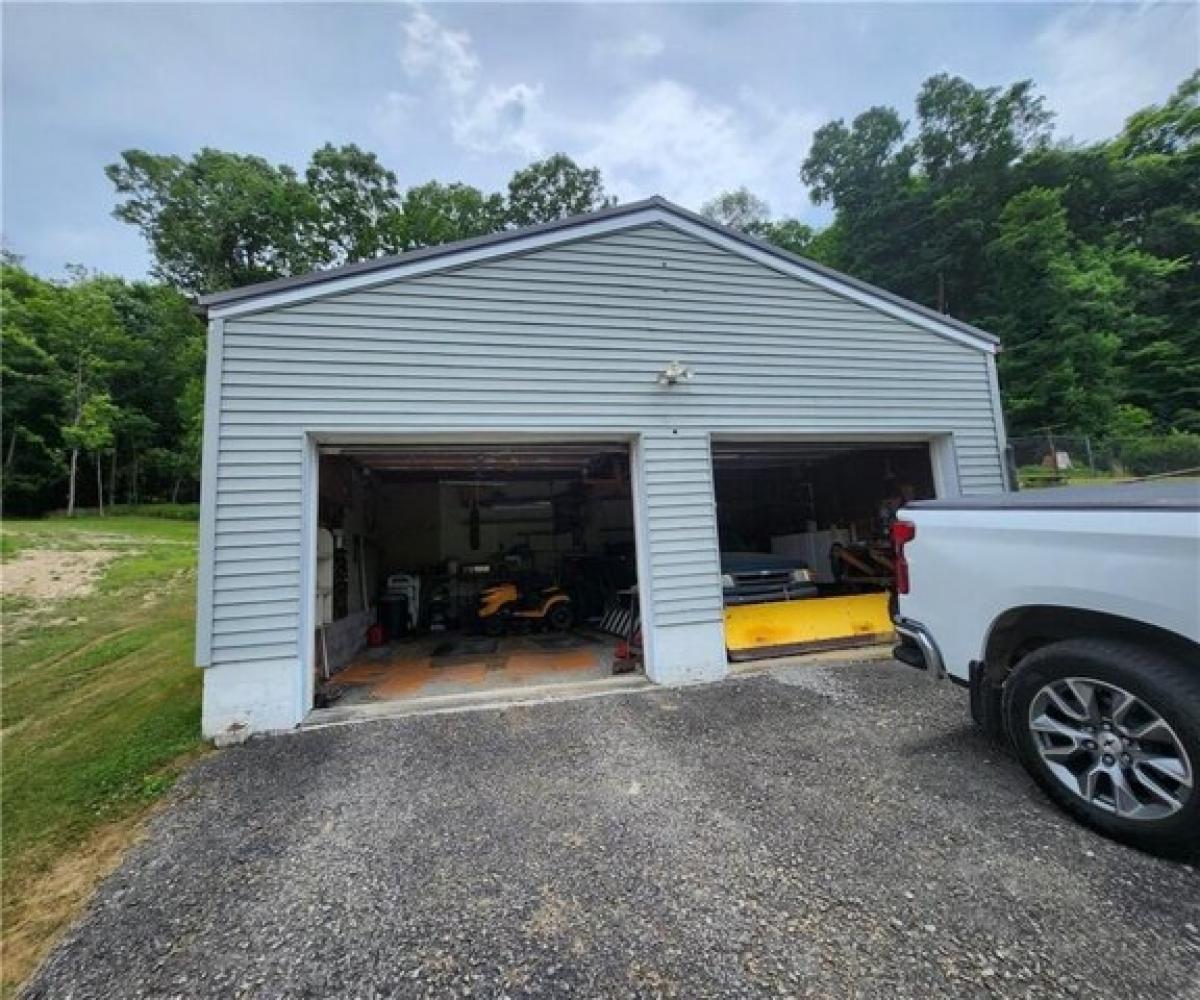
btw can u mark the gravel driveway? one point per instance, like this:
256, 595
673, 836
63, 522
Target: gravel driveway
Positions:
836, 831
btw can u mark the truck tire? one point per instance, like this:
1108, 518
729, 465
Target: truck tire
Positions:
1110, 730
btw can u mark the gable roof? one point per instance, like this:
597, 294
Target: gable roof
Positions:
287, 291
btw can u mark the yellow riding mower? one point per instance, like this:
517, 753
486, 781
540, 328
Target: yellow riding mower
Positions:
508, 607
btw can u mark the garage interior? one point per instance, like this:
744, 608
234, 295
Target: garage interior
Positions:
805, 548
456, 569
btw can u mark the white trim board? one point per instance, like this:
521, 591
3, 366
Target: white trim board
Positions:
210, 457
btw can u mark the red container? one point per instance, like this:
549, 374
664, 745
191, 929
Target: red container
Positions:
375, 635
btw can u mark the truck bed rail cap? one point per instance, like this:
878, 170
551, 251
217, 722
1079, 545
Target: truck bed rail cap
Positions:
1174, 494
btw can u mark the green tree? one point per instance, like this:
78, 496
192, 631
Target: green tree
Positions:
1141, 191
1166, 129
1059, 311
33, 394
554, 188
744, 210
969, 140
160, 353
916, 214
92, 432
191, 439
738, 209
787, 234
357, 205
865, 171
856, 167
969, 130
81, 332
433, 213
67, 343
219, 220
1155, 206
1131, 421
929, 216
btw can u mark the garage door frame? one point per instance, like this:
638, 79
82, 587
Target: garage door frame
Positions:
943, 460
316, 439
942, 456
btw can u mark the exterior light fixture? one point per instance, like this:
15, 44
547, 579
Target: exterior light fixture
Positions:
675, 373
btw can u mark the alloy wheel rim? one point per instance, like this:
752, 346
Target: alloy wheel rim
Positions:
1110, 748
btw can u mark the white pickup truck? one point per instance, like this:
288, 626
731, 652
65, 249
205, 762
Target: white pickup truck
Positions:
1073, 617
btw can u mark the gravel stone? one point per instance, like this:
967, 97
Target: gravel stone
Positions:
842, 833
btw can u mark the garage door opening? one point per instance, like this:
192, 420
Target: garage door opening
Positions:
805, 556
447, 570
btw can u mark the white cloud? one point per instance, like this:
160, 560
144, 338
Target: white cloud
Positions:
428, 48
668, 139
1103, 63
484, 117
660, 137
501, 118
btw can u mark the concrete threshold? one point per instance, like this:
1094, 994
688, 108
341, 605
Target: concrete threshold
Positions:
541, 694
475, 701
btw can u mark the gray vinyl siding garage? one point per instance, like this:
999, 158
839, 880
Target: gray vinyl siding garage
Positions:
554, 335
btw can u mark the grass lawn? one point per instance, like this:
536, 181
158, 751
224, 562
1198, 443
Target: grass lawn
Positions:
101, 709
1031, 477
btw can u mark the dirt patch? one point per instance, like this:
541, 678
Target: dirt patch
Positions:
52, 574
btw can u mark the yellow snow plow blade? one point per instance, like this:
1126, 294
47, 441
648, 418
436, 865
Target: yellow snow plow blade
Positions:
754, 631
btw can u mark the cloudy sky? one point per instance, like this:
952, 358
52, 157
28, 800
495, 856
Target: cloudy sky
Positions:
682, 100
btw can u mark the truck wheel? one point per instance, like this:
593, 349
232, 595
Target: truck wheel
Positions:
1111, 732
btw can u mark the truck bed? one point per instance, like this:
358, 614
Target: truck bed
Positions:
1174, 494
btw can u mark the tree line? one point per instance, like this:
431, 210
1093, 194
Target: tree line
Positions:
1083, 259
103, 378
103, 391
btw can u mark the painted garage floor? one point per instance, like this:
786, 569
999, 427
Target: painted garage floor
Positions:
450, 664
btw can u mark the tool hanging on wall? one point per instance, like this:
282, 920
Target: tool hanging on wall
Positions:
473, 520
361, 544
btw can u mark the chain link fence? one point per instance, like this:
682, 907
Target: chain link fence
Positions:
1050, 459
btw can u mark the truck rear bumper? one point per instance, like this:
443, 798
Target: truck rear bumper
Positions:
917, 648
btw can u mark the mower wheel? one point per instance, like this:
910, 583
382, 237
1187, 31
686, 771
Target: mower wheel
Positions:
560, 617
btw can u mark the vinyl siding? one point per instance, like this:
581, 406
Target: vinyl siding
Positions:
567, 339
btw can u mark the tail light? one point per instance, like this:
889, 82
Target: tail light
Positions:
903, 532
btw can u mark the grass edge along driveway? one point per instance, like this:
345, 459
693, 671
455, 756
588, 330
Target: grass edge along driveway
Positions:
101, 711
